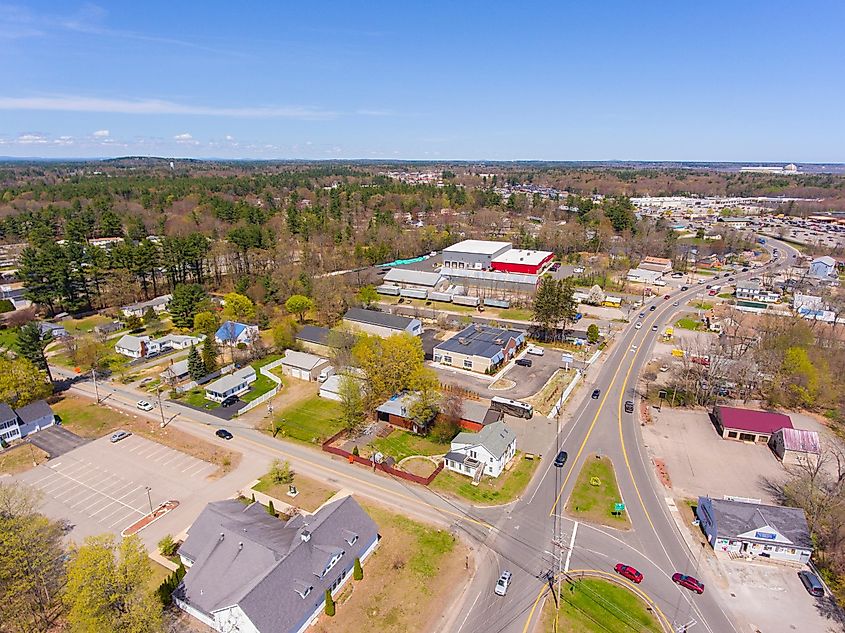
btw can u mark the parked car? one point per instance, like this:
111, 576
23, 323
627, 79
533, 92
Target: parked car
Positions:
811, 583
596, 394
664, 368
629, 406
731, 278
229, 401
524, 362
688, 582
537, 351
143, 405
119, 435
325, 373
503, 583
561, 458
626, 571
578, 270
708, 286
223, 434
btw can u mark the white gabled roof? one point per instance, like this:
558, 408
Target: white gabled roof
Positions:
302, 360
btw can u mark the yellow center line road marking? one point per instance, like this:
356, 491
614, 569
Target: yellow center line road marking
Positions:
398, 495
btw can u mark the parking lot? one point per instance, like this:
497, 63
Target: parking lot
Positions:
103, 487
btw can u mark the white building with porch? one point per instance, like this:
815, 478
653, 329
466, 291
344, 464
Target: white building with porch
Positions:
487, 452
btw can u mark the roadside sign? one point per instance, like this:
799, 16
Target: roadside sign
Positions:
619, 507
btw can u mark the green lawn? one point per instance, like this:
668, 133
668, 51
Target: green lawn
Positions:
86, 325
595, 502
516, 314
689, 324
257, 389
591, 605
8, 338
311, 421
312, 494
265, 361
401, 444
702, 305
502, 489
196, 398
725, 295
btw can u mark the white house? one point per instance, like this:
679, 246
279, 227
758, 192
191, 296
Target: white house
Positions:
137, 346
491, 448
159, 304
330, 389
233, 333
178, 341
643, 276
233, 384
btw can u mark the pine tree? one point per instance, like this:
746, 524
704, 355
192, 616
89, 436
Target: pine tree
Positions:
270, 509
31, 344
329, 604
196, 366
209, 354
358, 571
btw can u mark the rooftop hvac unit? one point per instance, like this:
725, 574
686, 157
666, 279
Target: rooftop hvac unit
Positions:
462, 341
499, 341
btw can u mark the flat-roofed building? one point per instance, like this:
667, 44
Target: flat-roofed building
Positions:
518, 260
475, 254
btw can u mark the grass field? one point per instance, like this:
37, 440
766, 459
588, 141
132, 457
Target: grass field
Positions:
595, 503
414, 573
401, 444
702, 305
311, 421
312, 494
516, 314
591, 605
490, 491
21, 458
689, 324
725, 295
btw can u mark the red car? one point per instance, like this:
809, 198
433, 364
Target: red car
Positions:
626, 571
688, 582
666, 296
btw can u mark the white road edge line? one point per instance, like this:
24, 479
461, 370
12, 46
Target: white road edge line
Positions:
571, 547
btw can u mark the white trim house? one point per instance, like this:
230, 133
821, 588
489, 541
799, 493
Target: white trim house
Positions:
233, 384
493, 447
137, 346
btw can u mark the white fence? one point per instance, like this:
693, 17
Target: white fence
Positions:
556, 409
265, 371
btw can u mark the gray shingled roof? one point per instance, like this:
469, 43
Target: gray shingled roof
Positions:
383, 319
263, 564
736, 517
34, 411
313, 334
476, 412
6, 413
494, 437
480, 340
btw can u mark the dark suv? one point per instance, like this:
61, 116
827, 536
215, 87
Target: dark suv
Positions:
629, 406
561, 458
523, 362
228, 402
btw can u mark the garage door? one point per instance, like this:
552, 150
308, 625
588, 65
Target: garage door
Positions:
295, 372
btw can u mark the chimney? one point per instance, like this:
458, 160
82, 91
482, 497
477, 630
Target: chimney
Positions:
305, 535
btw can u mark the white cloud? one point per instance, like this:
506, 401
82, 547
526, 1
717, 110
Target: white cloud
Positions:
32, 139
102, 134
71, 103
183, 137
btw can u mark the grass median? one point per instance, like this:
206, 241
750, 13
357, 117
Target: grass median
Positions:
595, 494
591, 605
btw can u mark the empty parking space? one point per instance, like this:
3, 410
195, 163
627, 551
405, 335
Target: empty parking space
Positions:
106, 487
56, 440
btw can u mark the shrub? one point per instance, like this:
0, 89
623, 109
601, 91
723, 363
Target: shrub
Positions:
167, 546
358, 571
329, 604
270, 509
355, 451
281, 473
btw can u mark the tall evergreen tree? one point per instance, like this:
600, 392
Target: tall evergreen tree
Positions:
196, 366
31, 344
209, 354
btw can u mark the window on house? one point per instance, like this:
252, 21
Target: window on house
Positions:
352, 539
473, 454
332, 563
447, 360
467, 364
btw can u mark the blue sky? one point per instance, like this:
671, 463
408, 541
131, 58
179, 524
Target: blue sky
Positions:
743, 81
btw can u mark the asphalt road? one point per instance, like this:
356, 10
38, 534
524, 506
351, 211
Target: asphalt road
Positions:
534, 538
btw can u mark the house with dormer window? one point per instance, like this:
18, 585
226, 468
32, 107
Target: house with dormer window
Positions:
251, 572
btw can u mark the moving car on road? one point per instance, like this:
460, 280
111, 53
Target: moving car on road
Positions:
596, 394
561, 458
626, 571
652, 308
143, 405
629, 406
503, 583
638, 325
666, 296
223, 434
119, 435
688, 582
654, 328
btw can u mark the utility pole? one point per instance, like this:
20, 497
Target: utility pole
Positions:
96, 391
160, 409
149, 498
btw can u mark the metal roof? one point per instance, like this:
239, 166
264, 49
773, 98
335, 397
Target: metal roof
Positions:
480, 247
522, 256
479, 340
416, 277
800, 440
753, 421
491, 275
392, 321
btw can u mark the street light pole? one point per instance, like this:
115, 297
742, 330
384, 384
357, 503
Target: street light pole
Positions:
161, 410
149, 499
96, 391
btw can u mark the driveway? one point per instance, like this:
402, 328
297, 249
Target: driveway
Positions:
56, 441
224, 413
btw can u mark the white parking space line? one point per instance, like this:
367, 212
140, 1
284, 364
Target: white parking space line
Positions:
77, 481
163, 457
171, 458
122, 519
196, 471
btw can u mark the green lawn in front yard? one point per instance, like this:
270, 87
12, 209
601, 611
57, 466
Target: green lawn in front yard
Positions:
196, 398
592, 605
725, 295
311, 421
490, 491
265, 361
401, 444
86, 325
515, 314
158, 574
595, 502
9, 338
702, 305
689, 324
257, 389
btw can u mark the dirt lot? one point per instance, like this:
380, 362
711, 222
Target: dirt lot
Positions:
86, 419
21, 458
409, 580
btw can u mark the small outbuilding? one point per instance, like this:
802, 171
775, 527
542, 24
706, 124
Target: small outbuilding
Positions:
302, 365
796, 446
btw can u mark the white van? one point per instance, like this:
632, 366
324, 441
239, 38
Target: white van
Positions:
325, 373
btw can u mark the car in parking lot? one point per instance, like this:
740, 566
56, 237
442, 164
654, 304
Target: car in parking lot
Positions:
119, 435
561, 458
524, 362
596, 394
629, 406
626, 571
503, 583
143, 405
578, 270
688, 582
537, 351
223, 434
811, 583
731, 278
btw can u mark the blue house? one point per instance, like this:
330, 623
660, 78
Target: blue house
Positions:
232, 333
823, 267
